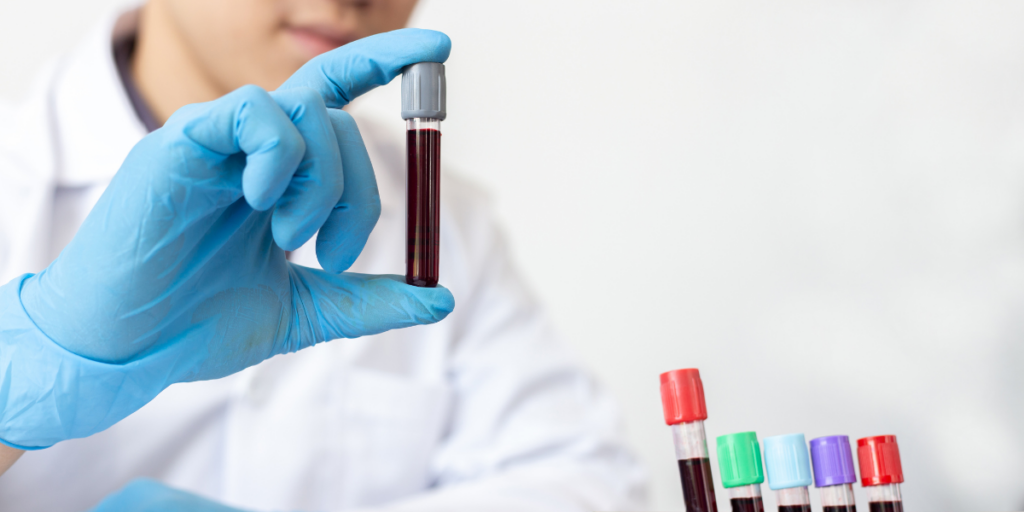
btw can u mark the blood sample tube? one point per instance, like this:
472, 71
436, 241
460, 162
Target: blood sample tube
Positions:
789, 471
881, 472
833, 473
423, 108
739, 462
682, 398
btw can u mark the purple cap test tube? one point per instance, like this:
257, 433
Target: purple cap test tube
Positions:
833, 472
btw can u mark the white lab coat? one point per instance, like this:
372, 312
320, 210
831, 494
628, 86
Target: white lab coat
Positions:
483, 411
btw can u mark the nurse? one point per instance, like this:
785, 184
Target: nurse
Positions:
249, 224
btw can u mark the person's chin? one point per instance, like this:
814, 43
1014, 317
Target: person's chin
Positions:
310, 44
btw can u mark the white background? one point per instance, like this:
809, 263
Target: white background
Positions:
819, 204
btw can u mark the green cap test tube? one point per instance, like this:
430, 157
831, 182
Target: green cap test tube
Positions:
739, 462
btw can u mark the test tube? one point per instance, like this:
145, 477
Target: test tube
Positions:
881, 472
423, 108
739, 462
789, 471
682, 398
833, 473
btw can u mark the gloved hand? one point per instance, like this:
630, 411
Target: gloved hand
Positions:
179, 272
145, 495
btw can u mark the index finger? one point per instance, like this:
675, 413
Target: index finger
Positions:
342, 74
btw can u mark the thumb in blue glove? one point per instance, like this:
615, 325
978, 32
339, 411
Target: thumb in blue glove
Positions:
179, 272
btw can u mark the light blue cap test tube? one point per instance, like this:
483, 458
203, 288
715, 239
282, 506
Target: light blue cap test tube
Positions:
786, 462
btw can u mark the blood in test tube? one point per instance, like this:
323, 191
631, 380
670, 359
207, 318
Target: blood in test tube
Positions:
423, 108
746, 504
789, 471
881, 472
885, 506
739, 463
833, 473
795, 508
423, 215
682, 399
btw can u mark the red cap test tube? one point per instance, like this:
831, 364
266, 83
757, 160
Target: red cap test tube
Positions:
881, 472
682, 399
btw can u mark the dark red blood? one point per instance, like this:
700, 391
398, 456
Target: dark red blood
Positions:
698, 487
423, 221
886, 506
794, 508
747, 505
840, 508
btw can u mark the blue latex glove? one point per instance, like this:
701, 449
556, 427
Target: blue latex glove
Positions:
175, 275
144, 495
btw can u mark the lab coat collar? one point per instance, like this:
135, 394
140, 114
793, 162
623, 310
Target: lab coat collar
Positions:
96, 124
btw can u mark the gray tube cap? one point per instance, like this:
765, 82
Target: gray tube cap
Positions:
423, 91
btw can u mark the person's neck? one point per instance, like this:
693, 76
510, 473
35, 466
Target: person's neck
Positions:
165, 69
